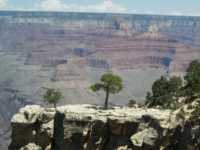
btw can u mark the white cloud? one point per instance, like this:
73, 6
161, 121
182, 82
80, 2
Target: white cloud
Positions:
179, 13
60, 5
50, 5
172, 13
109, 6
195, 13
3, 4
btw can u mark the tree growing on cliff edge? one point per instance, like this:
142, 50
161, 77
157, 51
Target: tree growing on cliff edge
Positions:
192, 78
52, 96
109, 83
165, 92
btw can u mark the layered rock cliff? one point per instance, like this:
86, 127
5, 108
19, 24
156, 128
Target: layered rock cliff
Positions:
70, 51
87, 127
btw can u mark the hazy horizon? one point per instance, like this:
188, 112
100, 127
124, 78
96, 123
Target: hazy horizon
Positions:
155, 7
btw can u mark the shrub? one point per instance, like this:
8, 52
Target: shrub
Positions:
165, 92
52, 96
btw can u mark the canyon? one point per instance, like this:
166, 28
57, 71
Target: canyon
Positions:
70, 51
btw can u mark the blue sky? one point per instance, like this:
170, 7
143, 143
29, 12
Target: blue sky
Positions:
171, 7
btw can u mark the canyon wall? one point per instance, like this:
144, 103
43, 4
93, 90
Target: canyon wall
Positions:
70, 51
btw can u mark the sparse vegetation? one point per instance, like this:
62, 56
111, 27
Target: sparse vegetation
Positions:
52, 96
109, 83
192, 78
165, 92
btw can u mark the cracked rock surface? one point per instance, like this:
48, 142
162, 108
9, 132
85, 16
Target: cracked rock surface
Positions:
88, 127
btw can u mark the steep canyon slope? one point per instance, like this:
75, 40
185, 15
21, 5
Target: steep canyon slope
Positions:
70, 51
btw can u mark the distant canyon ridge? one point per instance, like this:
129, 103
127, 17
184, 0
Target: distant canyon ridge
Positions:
70, 51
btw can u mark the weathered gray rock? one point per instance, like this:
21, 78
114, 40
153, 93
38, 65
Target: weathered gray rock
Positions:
87, 127
147, 136
31, 146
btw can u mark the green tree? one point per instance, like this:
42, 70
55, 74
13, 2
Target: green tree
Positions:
109, 83
192, 78
52, 96
149, 99
165, 92
175, 85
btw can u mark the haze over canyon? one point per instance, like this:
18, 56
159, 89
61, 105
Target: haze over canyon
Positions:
70, 51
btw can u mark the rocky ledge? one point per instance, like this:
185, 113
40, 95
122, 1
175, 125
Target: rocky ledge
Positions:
88, 127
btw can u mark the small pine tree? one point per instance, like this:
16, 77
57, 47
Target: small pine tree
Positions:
109, 83
52, 96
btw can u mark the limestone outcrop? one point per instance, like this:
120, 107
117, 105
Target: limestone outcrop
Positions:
88, 127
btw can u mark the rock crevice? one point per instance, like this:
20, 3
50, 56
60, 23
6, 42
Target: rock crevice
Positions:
87, 127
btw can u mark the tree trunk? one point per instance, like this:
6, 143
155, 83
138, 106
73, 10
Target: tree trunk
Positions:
107, 97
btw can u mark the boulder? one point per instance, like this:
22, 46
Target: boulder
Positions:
146, 137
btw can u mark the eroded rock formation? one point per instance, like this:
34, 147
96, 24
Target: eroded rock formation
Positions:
70, 51
87, 127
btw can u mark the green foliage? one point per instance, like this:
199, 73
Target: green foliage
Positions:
192, 78
96, 87
149, 99
175, 85
165, 92
109, 83
52, 96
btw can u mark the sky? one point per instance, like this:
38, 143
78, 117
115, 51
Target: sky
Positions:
165, 7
